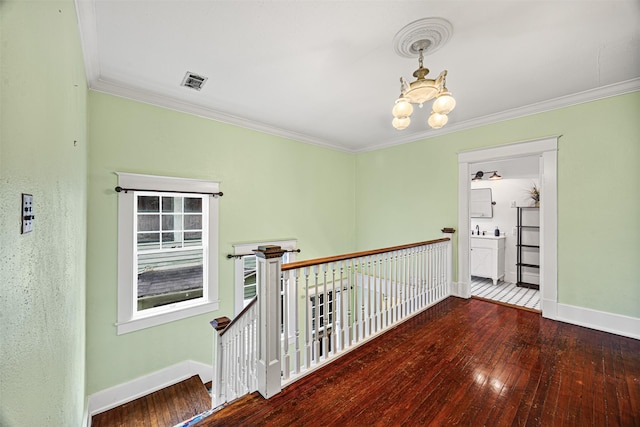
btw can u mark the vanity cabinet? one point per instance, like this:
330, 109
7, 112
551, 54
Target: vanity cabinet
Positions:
487, 257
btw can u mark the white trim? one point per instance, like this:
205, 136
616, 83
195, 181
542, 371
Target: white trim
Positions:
507, 151
147, 97
455, 290
123, 91
86, 13
86, 419
546, 148
599, 320
126, 392
127, 319
168, 183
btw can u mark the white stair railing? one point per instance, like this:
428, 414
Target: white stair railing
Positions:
344, 301
235, 356
310, 312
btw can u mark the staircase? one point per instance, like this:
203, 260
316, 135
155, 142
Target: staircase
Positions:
164, 408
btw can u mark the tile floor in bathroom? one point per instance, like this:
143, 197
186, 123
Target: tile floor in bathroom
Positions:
505, 292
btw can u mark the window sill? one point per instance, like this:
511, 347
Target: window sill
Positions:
157, 319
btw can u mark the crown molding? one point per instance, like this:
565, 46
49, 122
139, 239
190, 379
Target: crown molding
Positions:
602, 92
124, 91
86, 14
147, 97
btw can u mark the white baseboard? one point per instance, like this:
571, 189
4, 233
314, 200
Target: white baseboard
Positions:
126, 392
602, 321
460, 290
86, 419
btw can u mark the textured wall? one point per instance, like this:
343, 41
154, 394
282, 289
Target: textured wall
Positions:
42, 295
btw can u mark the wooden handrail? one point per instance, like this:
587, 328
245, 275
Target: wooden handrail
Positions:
336, 258
248, 306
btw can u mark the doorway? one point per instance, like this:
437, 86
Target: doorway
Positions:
505, 232
546, 151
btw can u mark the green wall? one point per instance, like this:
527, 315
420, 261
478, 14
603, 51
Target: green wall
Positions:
273, 188
42, 273
409, 192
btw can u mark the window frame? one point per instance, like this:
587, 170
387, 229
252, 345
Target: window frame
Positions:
247, 248
129, 319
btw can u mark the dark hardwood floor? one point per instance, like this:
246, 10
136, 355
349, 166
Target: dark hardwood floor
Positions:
464, 362
166, 407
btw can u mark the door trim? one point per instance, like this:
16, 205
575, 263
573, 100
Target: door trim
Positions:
547, 149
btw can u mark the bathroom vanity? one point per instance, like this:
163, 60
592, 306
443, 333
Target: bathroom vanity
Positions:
487, 257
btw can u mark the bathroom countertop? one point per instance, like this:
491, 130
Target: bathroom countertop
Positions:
488, 237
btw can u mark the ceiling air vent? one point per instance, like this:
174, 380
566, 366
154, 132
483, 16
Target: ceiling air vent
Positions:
193, 81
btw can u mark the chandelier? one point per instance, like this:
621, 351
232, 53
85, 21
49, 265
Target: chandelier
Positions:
422, 36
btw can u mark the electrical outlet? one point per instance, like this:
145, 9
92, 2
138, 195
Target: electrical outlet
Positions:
27, 213
513, 203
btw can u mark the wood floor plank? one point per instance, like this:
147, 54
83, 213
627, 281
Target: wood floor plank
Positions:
460, 363
165, 407
463, 362
487, 356
631, 365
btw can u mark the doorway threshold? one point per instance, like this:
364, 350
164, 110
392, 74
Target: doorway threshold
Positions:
505, 293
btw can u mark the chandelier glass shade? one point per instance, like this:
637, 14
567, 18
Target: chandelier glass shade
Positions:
419, 92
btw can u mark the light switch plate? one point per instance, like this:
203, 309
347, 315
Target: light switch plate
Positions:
27, 213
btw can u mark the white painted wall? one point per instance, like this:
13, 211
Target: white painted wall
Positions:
504, 192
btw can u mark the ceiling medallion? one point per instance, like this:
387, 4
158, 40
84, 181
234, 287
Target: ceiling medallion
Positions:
420, 38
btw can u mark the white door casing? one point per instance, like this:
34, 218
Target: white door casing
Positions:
547, 149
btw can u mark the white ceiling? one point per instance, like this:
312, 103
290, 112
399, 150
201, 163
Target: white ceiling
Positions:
325, 72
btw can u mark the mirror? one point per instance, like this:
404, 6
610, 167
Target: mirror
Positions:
481, 205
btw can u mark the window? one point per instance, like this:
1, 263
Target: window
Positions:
167, 250
245, 273
323, 311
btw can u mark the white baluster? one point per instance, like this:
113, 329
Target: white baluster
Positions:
307, 319
286, 361
350, 290
377, 271
363, 298
334, 307
369, 308
355, 328
296, 318
425, 276
384, 276
325, 315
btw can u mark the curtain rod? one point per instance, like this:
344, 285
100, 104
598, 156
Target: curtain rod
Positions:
229, 256
126, 190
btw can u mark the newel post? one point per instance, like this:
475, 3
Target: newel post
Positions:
268, 260
448, 232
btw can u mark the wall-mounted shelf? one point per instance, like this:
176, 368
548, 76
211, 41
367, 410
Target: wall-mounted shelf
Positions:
531, 232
